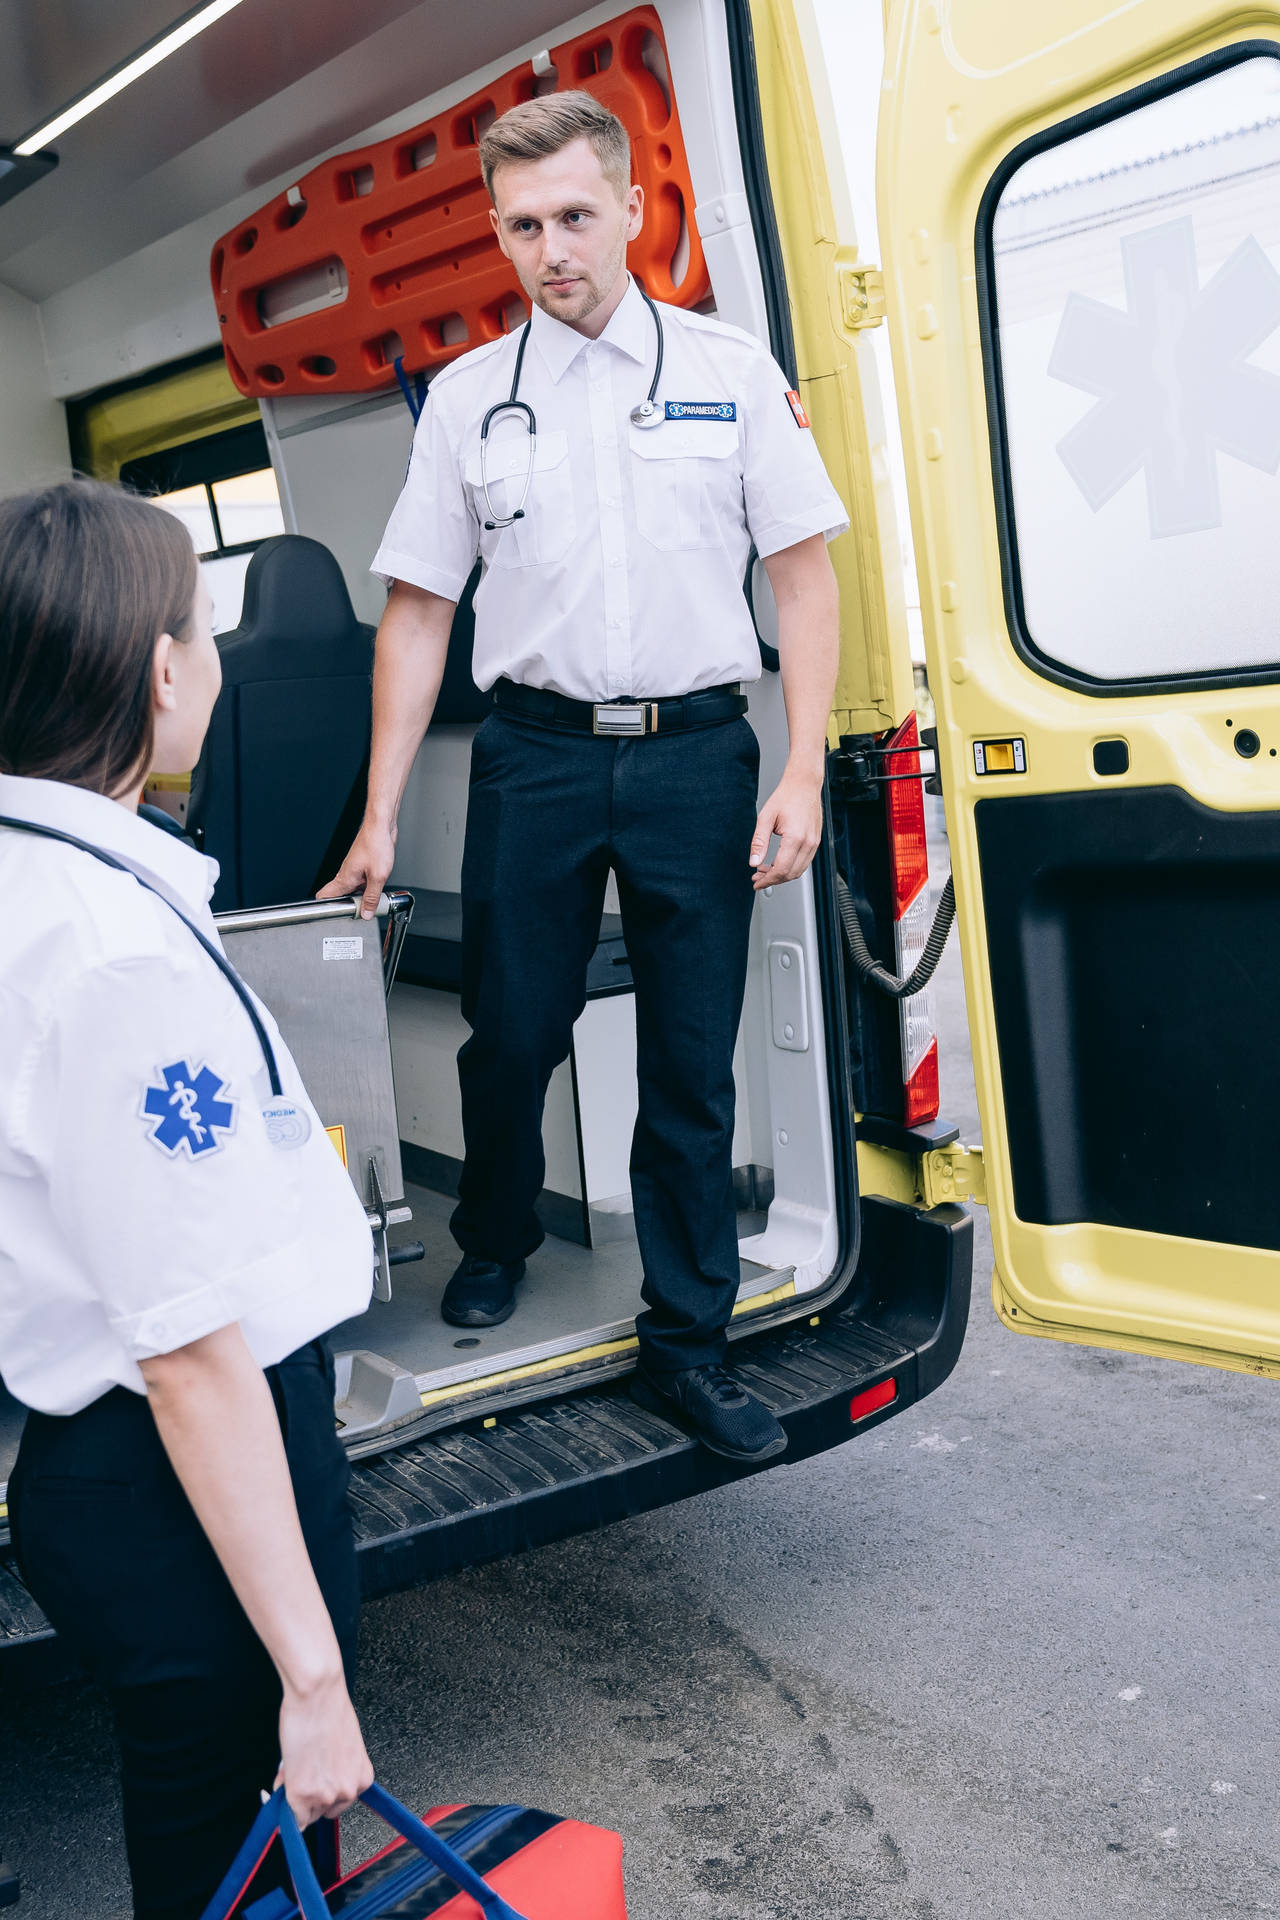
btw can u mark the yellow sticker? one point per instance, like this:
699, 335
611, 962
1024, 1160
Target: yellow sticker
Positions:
338, 1135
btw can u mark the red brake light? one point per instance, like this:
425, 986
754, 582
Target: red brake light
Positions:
909, 869
883, 1394
920, 1095
908, 852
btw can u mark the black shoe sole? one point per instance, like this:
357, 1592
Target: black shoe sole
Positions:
476, 1317
649, 1397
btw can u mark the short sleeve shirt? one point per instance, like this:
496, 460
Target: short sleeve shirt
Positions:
623, 578
142, 1204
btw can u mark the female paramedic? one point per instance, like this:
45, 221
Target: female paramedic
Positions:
177, 1234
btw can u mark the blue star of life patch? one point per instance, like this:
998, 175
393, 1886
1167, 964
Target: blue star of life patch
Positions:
188, 1110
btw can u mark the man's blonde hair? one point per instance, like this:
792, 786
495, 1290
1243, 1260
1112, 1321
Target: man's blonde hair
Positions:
538, 128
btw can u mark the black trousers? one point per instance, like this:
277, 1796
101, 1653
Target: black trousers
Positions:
110, 1547
551, 810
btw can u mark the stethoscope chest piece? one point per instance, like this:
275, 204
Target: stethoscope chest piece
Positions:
647, 414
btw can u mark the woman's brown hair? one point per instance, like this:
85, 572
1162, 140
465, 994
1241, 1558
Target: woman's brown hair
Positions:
90, 577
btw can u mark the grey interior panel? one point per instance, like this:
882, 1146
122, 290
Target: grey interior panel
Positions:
322, 978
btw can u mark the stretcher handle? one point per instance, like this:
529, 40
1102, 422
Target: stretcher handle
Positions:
277, 1816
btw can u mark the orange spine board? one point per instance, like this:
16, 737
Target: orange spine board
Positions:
387, 250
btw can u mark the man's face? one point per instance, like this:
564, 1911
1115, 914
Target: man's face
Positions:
561, 223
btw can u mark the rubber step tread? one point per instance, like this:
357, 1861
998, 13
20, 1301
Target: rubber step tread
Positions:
542, 1450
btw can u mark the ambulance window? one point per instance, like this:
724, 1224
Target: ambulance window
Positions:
225, 494
1133, 288
192, 506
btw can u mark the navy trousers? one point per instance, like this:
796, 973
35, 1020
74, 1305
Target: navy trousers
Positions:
551, 811
110, 1547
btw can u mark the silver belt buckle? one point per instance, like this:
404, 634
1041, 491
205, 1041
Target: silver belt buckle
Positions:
625, 717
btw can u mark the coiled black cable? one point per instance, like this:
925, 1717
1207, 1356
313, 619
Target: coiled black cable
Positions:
869, 969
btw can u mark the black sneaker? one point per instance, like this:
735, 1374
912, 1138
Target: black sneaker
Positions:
482, 1293
720, 1413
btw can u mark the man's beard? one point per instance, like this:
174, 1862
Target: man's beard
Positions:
589, 295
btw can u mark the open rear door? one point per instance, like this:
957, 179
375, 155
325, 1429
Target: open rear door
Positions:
1080, 209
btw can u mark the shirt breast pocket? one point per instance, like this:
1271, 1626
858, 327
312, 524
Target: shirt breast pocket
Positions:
545, 531
688, 482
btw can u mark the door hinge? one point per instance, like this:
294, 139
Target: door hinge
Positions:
951, 1174
861, 296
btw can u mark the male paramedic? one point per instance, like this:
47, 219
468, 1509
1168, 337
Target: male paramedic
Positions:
614, 518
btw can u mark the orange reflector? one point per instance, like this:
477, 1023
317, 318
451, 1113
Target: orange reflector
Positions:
921, 1095
871, 1401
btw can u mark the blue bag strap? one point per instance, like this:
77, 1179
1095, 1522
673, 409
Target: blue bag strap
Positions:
439, 1852
276, 1816
271, 1820
415, 396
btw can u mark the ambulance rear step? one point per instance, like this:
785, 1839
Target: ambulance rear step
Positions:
540, 1473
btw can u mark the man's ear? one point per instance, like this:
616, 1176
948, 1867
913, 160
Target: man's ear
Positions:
635, 211
496, 223
164, 695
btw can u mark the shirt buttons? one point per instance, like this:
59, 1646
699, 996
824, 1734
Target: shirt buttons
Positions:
615, 562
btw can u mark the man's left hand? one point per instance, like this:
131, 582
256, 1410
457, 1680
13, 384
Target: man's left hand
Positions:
794, 812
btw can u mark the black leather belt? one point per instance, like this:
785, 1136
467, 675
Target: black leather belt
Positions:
621, 719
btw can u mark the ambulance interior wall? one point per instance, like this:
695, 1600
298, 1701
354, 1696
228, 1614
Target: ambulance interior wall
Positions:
33, 426
341, 463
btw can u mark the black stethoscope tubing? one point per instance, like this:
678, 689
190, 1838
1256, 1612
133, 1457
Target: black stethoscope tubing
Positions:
219, 960
641, 415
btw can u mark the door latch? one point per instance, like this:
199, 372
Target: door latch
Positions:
953, 1174
862, 298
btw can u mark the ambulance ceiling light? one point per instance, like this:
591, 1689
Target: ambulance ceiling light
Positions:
124, 76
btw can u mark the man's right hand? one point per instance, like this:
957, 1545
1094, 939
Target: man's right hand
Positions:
365, 869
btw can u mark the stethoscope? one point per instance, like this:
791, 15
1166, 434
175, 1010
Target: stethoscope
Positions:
219, 959
647, 414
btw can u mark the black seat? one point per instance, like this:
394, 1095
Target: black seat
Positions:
281, 779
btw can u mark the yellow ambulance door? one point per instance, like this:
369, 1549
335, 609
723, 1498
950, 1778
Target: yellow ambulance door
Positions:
1080, 216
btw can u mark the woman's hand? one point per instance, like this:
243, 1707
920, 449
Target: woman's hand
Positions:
323, 1764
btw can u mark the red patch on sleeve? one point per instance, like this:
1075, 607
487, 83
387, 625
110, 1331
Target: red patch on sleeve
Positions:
796, 405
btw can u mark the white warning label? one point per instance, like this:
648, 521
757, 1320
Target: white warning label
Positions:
344, 947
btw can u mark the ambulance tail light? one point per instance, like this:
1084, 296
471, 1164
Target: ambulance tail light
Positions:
912, 918
871, 1399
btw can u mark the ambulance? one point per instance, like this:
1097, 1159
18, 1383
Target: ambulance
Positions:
236, 245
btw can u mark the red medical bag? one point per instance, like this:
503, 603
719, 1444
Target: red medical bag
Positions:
461, 1863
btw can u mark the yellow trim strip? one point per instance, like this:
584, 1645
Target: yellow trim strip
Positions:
165, 412
604, 1350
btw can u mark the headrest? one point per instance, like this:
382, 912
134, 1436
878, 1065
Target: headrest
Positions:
294, 590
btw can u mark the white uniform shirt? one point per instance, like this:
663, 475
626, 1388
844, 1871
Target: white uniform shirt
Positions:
117, 1240
624, 578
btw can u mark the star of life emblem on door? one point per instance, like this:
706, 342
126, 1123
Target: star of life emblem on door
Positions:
189, 1110
1171, 376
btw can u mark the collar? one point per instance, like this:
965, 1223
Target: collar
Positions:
152, 853
630, 329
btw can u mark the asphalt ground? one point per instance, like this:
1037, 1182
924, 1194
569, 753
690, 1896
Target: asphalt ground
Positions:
1012, 1656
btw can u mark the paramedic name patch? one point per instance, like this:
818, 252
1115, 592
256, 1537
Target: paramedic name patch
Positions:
189, 1110
702, 409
